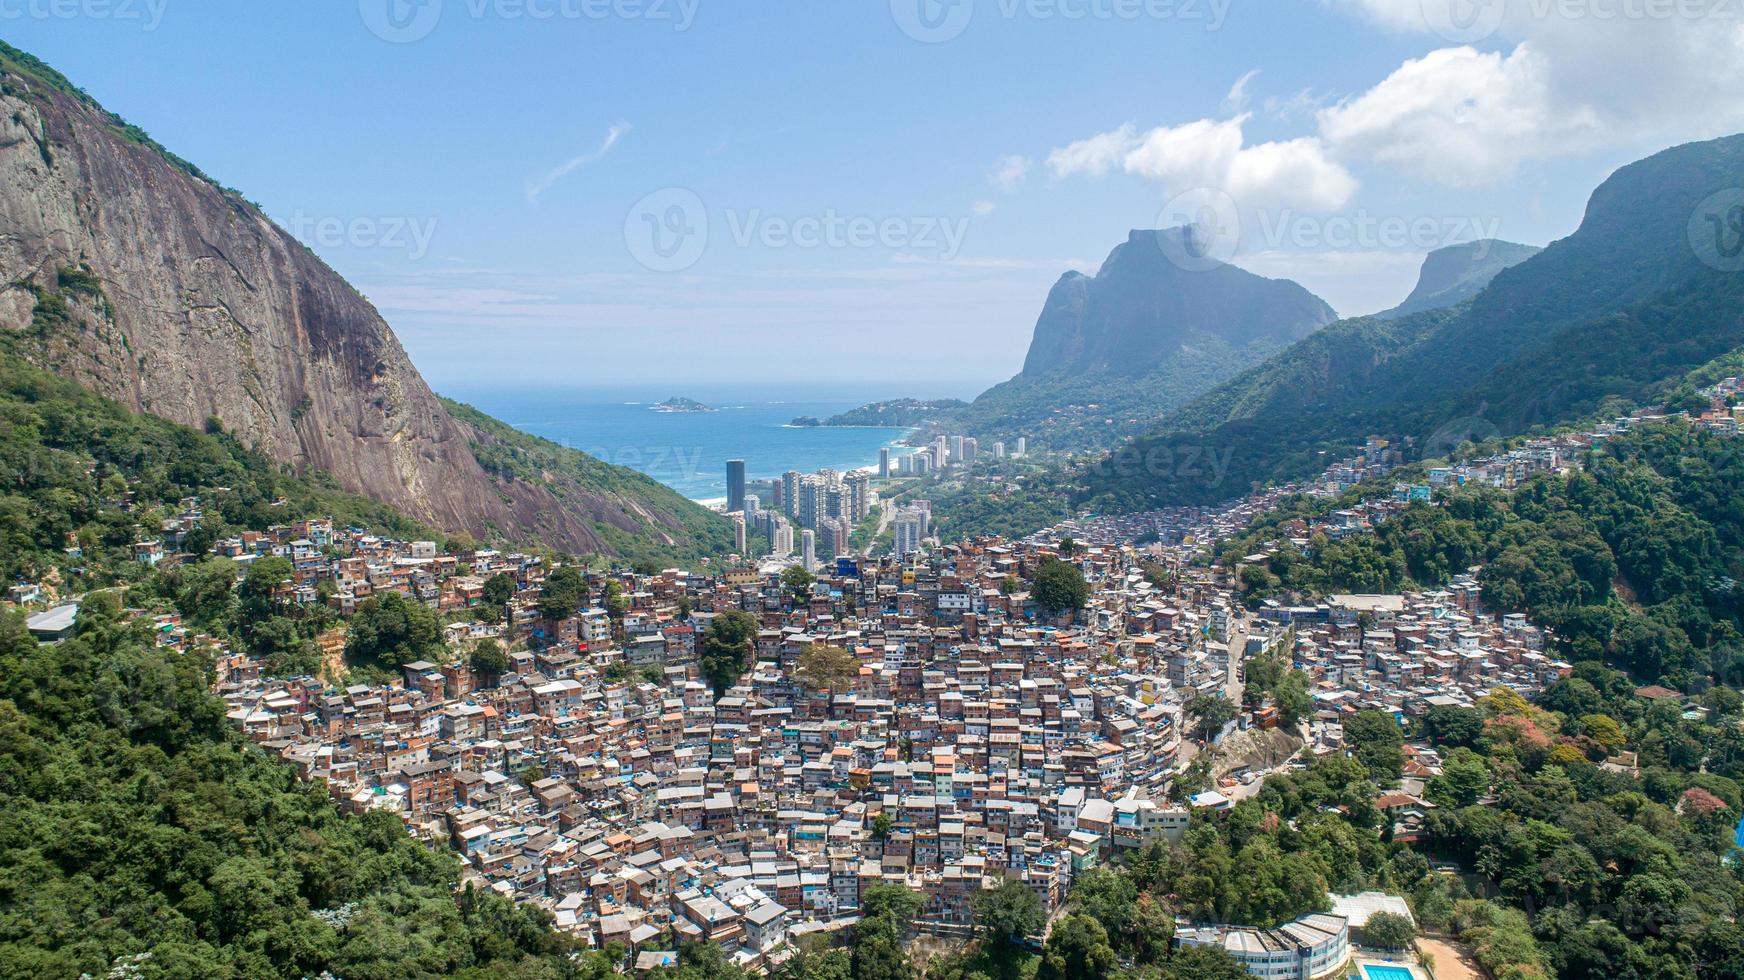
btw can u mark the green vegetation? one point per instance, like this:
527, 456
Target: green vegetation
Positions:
658, 524
138, 832
724, 651
1630, 560
1617, 313
80, 471
1059, 587
898, 413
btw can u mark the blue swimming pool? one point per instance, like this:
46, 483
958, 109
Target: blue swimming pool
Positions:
1373, 972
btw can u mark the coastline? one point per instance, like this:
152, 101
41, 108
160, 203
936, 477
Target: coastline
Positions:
898, 447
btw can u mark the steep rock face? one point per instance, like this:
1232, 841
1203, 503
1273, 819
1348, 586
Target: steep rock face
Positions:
187, 303
1454, 274
1112, 353
1141, 307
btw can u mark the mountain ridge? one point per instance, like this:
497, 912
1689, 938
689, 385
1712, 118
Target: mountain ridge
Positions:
129, 271
1620, 308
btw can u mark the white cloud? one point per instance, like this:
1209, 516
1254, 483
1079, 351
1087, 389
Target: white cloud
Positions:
1094, 156
983, 208
543, 183
1214, 154
1236, 101
1009, 173
1566, 77
1461, 116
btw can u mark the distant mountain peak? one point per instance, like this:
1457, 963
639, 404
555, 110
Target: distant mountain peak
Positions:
1453, 274
1144, 305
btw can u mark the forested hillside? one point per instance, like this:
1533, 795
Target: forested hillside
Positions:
1621, 309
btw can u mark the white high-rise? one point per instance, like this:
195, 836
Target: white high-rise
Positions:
808, 549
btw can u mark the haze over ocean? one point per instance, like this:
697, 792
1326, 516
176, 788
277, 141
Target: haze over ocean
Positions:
688, 451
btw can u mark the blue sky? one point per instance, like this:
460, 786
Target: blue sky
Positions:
520, 184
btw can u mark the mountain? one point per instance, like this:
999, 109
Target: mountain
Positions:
1454, 274
1621, 309
1114, 351
126, 269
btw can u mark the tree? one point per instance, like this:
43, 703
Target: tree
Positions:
499, 589
1294, 701
725, 648
564, 590
1389, 930
260, 595
1059, 587
826, 668
877, 952
1004, 917
797, 581
1210, 713
1375, 740
1464, 779
1077, 949
390, 630
882, 825
488, 658
1067, 547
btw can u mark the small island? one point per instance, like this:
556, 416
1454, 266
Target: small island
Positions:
676, 404
806, 422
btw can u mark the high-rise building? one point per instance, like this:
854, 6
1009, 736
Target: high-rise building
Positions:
813, 506
1020, 446
790, 493
910, 529
739, 533
884, 463
999, 450
833, 536
753, 507
808, 549
939, 453
781, 540
735, 485
966, 451
859, 487
957, 449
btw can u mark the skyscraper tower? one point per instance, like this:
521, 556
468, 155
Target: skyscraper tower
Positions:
884, 463
735, 485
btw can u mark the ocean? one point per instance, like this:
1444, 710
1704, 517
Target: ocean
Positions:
689, 451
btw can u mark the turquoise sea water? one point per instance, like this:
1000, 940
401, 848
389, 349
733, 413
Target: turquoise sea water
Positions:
689, 451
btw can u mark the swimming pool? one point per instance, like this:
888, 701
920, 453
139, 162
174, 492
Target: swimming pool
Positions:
1373, 972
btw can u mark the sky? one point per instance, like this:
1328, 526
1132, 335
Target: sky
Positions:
624, 192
